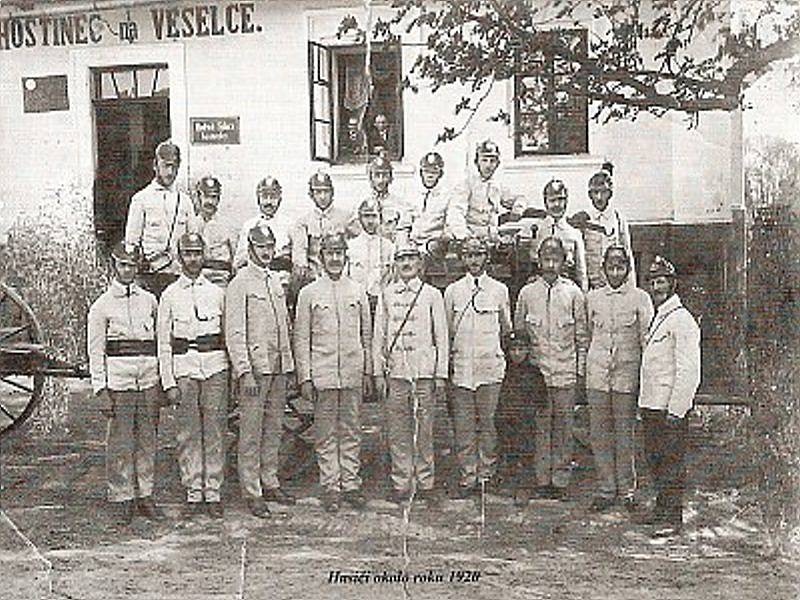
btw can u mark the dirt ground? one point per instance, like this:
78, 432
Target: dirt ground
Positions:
57, 541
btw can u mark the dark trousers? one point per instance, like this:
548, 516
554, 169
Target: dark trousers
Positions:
517, 431
665, 446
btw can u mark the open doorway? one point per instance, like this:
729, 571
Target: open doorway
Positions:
131, 116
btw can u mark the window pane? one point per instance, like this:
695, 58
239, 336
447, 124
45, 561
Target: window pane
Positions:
534, 136
321, 102
125, 84
322, 141
323, 68
107, 89
144, 80
162, 83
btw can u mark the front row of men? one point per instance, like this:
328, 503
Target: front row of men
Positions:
560, 343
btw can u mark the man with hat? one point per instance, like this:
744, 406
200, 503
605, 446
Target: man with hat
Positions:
552, 309
668, 381
410, 350
194, 374
618, 317
370, 253
157, 217
332, 335
555, 225
323, 218
432, 209
269, 195
124, 375
475, 205
259, 346
478, 316
220, 239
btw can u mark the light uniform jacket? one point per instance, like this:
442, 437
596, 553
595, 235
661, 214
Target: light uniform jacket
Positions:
421, 348
616, 233
221, 242
670, 372
332, 334
555, 319
573, 244
281, 228
618, 321
474, 206
397, 214
432, 213
257, 324
370, 261
308, 232
120, 314
187, 310
477, 317
150, 216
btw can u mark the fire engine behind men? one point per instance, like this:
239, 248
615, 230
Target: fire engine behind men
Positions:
124, 375
552, 309
322, 219
410, 350
332, 346
478, 315
269, 195
220, 239
669, 379
432, 206
257, 338
194, 374
475, 205
159, 214
555, 225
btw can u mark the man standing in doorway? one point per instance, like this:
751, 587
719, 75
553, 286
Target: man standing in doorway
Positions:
159, 214
669, 379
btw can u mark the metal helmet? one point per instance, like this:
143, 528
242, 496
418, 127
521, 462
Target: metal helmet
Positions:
474, 245
432, 161
407, 248
601, 181
269, 186
333, 241
551, 245
261, 235
168, 152
616, 254
191, 241
369, 207
555, 188
122, 253
380, 163
487, 148
209, 186
661, 267
320, 181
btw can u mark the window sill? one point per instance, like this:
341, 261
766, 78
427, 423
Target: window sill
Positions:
556, 161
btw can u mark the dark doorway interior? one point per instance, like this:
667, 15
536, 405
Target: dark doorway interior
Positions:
131, 117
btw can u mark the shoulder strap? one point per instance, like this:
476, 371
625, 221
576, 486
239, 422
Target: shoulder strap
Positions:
174, 220
652, 333
405, 319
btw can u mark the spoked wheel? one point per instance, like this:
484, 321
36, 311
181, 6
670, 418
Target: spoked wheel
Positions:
20, 383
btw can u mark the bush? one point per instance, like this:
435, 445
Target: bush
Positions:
51, 259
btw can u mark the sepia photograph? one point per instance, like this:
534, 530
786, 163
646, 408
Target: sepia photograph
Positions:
414, 299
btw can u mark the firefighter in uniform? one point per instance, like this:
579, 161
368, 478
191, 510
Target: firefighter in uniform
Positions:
124, 375
332, 346
429, 225
475, 205
159, 214
555, 225
370, 253
220, 239
479, 316
194, 374
410, 350
618, 316
669, 378
259, 346
552, 309
322, 219
269, 195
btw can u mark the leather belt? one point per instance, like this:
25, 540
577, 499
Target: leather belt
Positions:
131, 348
204, 343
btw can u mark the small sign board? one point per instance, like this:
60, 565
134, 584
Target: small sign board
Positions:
44, 94
215, 130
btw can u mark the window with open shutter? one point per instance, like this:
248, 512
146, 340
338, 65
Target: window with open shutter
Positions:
320, 81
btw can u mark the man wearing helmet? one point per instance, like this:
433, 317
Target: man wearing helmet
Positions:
478, 316
370, 253
257, 338
124, 375
555, 225
668, 381
332, 344
433, 205
269, 195
219, 237
552, 309
323, 218
475, 205
194, 373
157, 217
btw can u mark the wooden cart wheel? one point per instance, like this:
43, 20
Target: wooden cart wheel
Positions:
20, 383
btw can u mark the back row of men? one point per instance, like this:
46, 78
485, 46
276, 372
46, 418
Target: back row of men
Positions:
478, 206
417, 342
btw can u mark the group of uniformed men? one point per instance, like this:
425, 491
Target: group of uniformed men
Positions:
365, 322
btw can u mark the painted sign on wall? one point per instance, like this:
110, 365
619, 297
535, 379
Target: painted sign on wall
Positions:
215, 130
